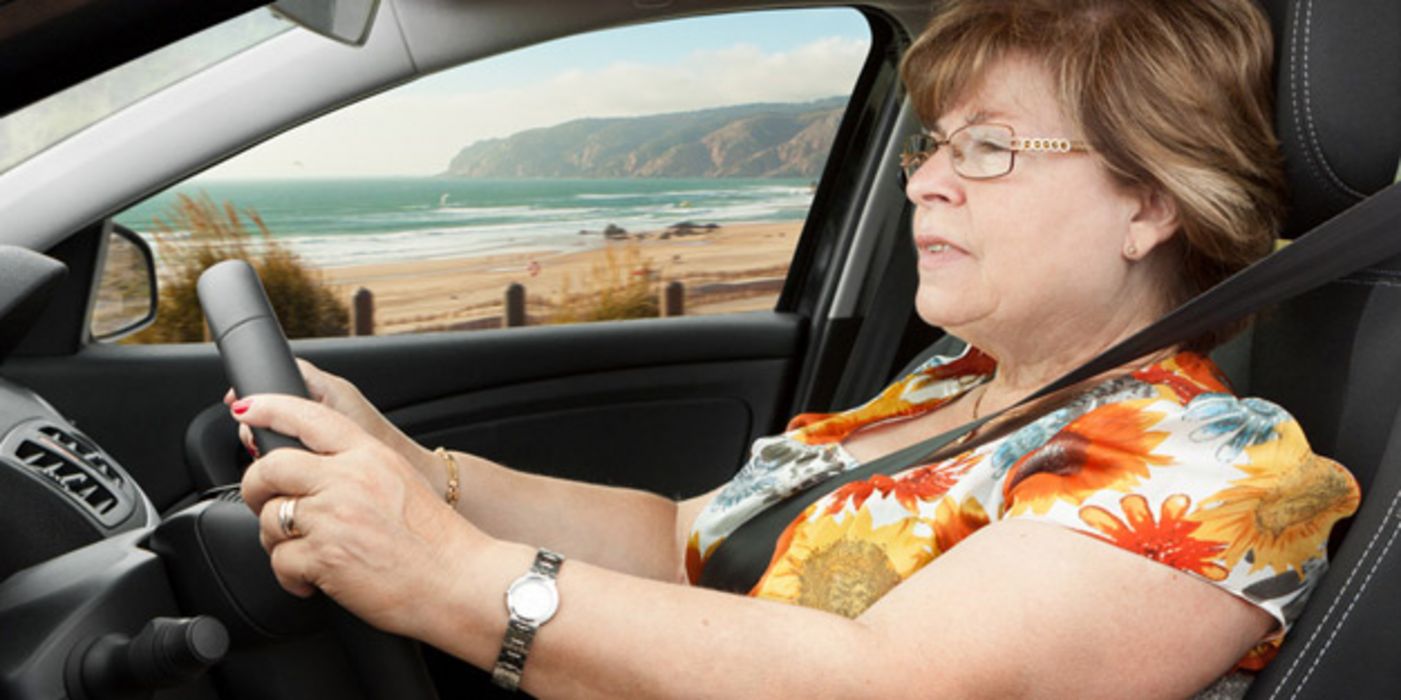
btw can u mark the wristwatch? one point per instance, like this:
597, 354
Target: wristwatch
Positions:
531, 601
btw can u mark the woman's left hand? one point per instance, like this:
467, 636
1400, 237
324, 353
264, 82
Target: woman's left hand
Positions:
368, 529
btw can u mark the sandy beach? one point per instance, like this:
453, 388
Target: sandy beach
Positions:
734, 267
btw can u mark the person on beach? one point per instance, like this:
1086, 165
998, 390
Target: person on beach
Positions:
1086, 166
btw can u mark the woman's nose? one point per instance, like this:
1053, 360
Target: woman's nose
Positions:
935, 180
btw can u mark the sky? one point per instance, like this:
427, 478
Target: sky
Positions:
415, 130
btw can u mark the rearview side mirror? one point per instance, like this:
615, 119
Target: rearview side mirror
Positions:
346, 21
125, 298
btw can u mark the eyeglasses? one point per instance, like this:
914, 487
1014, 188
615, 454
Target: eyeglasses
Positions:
979, 151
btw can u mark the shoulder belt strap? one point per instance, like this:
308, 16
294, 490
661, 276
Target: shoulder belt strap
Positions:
1364, 235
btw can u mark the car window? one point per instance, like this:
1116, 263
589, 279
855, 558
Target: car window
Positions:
29, 131
652, 170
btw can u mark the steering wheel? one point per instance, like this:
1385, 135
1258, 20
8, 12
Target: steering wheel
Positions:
257, 610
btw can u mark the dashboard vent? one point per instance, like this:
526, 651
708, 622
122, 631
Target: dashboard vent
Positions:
75, 466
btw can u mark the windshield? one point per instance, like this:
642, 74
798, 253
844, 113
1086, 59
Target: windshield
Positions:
30, 130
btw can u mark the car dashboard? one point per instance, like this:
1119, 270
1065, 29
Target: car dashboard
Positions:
102, 596
77, 571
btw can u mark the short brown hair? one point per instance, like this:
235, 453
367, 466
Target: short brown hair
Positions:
1175, 95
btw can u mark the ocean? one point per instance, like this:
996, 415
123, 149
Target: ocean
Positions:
340, 222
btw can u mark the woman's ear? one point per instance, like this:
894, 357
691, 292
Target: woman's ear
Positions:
1154, 223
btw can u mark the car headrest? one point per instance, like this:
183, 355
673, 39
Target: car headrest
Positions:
1338, 102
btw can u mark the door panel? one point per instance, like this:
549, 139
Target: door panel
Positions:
683, 428
668, 404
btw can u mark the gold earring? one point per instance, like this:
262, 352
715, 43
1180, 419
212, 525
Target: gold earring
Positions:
1131, 251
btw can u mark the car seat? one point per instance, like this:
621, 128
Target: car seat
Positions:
1332, 357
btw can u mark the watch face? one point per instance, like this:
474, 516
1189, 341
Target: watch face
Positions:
533, 598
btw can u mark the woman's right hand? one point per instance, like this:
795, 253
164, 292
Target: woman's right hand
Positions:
338, 394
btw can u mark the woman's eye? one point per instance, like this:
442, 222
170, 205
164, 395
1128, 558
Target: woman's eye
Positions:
987, 146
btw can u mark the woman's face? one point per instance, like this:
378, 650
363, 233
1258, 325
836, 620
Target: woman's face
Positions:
1039, 249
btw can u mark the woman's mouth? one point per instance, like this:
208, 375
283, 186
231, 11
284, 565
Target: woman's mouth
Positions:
934, 251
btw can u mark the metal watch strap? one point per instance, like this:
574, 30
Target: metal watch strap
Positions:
515, 645
510, 662
547, 563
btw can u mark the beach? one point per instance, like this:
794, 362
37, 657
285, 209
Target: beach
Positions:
728, 268
438, 253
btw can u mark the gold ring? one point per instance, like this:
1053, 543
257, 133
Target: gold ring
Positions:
286, 518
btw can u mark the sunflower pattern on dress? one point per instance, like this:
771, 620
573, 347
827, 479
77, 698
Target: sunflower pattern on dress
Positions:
1163, 462
810, 452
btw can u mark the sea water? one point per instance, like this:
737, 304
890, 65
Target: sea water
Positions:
341, 222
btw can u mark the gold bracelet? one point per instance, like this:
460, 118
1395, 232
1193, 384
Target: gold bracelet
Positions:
453, 492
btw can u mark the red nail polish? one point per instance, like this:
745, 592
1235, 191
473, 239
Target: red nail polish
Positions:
253, 451
240, 406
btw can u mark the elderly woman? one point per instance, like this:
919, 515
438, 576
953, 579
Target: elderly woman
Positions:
1087, 165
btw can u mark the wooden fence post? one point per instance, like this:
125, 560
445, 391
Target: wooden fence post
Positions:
363, 316
674, 299
515, 305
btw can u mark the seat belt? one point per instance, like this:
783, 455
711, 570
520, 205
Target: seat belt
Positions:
1365, 234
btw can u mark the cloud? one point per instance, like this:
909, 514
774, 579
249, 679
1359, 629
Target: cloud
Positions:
418, 132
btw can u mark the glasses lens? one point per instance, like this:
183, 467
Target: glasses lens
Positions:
982, 151
918, 148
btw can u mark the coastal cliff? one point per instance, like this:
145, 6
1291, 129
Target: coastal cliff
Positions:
755, 140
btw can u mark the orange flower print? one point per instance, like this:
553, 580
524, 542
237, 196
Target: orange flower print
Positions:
1187, 374
898, 400
1259, 655
695, 559
1280, 514
920, 484
1168, 539
954, 521
1107, 448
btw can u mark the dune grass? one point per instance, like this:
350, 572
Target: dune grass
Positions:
196, 233
623, 285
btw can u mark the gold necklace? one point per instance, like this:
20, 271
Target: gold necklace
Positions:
978, 402
977, 406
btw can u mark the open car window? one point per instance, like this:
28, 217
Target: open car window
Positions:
663, 169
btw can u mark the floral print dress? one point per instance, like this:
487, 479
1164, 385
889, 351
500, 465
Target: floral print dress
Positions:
1163, 462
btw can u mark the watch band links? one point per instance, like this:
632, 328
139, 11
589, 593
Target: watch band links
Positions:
515, 644
510, 662
547, 563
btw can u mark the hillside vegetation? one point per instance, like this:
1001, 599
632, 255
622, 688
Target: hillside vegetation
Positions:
756, 140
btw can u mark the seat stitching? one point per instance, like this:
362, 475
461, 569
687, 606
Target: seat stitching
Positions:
1348, 582
1351, 604
1295, 95
1308, 108
1333, 606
